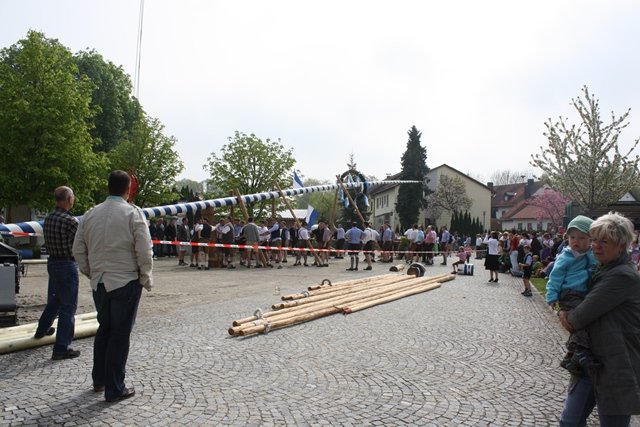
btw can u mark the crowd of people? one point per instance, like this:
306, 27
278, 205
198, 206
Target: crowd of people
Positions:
308, 246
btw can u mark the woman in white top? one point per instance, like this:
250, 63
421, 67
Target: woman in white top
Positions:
491, 261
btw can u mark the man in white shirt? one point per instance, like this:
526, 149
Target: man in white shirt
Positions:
113, 249
369, 238
411, 235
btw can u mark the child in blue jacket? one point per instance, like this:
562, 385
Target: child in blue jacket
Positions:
568, 285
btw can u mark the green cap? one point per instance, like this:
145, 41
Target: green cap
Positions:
580, 223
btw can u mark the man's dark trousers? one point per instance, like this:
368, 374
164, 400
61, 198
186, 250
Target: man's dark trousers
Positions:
116, 315
62, 301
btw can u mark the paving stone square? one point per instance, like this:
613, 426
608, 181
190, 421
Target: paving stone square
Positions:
470, 353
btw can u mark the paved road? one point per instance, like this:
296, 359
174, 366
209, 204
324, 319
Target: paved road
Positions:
470, 353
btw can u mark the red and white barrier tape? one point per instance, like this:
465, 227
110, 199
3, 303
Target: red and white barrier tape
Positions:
287, 248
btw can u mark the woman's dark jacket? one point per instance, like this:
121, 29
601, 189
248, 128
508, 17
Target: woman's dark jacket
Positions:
611, 315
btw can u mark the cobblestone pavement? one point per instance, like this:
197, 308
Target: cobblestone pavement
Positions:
469, 353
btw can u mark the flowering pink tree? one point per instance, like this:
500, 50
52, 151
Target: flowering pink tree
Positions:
551, 205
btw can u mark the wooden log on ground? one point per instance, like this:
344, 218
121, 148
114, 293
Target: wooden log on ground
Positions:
276, 316
361, 306
341, 288
253, 318
84, 329
280, 323
30, 328
346, 282
398, 267
360, 289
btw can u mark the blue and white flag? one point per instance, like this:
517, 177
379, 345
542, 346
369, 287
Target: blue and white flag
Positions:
312, 216
297, 182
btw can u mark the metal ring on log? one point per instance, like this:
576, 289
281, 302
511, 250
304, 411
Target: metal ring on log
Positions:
327, 281
416, 269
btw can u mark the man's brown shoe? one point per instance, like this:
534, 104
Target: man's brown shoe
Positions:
127, 393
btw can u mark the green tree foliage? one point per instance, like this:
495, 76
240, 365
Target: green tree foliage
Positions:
584, 161
463, 225
152, 156
414, 167
249, 165
192, 187
45, 123
322, 202
116, 111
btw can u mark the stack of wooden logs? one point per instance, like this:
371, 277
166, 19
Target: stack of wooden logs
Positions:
21, 337
344, 297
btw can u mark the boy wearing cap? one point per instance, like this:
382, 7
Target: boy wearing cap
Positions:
568, 285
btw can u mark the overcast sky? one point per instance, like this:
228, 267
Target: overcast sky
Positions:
478, 78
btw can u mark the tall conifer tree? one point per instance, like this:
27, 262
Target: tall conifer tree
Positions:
411, 197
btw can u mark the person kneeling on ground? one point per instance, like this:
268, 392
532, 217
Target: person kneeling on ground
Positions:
463, 255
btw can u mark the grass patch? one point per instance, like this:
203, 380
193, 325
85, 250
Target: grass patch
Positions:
540, 284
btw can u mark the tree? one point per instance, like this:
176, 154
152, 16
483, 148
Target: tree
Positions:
449, 196
414, 167
321, 201
551, 205
152, 156
505, 177
45, 121
250, 165
116, 111
191, 185
584, 161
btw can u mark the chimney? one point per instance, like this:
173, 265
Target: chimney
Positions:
528, 188
490, 185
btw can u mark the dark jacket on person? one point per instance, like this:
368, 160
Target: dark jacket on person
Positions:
611, 315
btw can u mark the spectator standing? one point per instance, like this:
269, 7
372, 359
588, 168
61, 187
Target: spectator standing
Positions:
183, 235
610, 314
410, 234
205, 237
445, 238
113, 249
195, 238
340, 241
170, 234
491, 262
369, 236
226, 232
303, 243
387, 243
514, 241
252, 237
60, 228
354, 239
430, 237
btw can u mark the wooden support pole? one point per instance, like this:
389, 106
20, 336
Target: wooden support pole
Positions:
243, 207
355, 205
293, 214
